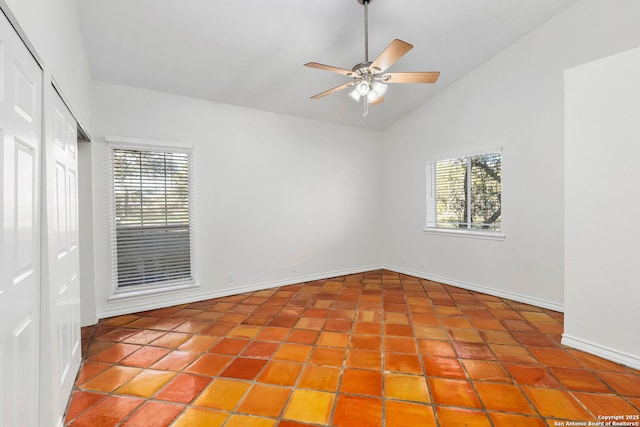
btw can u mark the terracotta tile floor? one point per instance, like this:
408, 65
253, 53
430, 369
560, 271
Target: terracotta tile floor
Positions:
373, 349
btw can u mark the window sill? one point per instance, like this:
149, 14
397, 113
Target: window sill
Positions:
469, 234
126, 294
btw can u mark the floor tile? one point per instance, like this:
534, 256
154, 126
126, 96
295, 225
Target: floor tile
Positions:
230, 346
183, 388
222, 394
554, 357
249, 421
108, 412
333, 339
260, 349
579, 379
406, 387
111, 379
367, 328
403, 414
366, 342
192, 326
398, 330
114, 353
486, 370
462, 417
171, 340
453, 392
81, 401
199, 417
244, 368
464, 335
146, 383
244, 331
363, 359
534, 339
503, 397
293, 352
209, 364
90, 369
358, 381
144, 357
625, 384
199, 343
161, 413
436, 348
605, 404
557, 404
447, 367
323, 378
303, 336
400, 345
310, 406
265, 400
357, 411
512, 353
408, 363
498, 337
218, 329
502, 419
273, 334
467, 350
175, 361
327, 356
280, 372
348, 351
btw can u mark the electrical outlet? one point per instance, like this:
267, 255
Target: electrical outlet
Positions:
421, 262
294, 267
403, 260
230, 277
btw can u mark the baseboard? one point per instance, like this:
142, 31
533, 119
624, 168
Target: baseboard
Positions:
601, 351
479, 288
187, 299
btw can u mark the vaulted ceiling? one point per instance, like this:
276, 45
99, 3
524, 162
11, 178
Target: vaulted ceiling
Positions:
251, 53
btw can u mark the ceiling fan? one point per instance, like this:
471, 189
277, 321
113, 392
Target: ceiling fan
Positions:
369, 78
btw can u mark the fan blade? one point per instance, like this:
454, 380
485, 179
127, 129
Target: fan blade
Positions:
330, 91
328, 68
377, 101
391, 54
418, 77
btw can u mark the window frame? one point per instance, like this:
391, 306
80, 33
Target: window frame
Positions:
431, 203
142, 290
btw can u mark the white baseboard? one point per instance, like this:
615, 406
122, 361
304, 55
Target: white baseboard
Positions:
602, 351
479, 288
143, 304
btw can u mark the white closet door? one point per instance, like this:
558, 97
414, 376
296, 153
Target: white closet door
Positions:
20, 133
60, 347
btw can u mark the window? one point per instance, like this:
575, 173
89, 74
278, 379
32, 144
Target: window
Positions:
465, 193
151, 218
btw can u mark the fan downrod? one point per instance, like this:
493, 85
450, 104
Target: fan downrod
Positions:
362, 2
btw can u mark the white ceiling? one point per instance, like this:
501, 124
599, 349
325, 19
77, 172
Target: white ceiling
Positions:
251, 53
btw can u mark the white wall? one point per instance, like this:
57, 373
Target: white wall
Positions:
514, 101
270, 191
602, 205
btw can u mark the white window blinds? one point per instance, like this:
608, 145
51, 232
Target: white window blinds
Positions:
465, 193
151, 229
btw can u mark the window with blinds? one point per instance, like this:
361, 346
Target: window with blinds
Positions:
151, 229
465, 193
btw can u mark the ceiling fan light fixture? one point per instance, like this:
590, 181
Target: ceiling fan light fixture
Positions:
355, 95
362, 88
379, 88
372, 96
